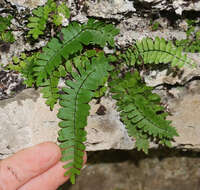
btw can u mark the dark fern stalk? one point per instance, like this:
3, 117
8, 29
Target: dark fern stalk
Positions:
75, 110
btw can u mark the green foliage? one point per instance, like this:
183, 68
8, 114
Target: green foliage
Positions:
86, 73
7, 37
24, 65
62, 11
75, 110
5, 22
5, 34
74, 37
18, 63
141, 112
71, 65
192, 41
49, 12
155, 26
148, 51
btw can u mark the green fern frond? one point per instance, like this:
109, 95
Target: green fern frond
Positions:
37, 23
24, 65
75, 110
70, 69
71, 41
141, 112
6, 33
50, 89
62, 11
79, 62
49, 12
148, 51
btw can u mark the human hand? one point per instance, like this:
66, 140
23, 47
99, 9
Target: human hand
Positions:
35, 168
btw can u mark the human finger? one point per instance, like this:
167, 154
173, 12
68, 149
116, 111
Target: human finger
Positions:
51, 179
27, 164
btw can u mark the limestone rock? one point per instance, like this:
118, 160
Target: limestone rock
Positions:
25, 120
180, 77
178, 5
10, 84
186, 117
136, 28
31, 4
109, 8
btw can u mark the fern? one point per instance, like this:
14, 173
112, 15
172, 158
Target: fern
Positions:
6, 34
86, 72
81, 61
71, 41
50, 89
148, 51
5, 22
37, 23
75, 110
73, 38
24, 65
62, 11
141, 112
192, 41
50, 11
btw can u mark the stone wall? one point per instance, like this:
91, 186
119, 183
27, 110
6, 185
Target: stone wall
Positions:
25, 119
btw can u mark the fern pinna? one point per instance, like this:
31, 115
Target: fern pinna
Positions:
148, 51
70, 41
140, 111
75, 110
50, 11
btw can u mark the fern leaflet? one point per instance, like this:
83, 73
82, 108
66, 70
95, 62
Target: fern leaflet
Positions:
37, 23
77, 95
71, 41
148, 51
141, 112
43, 15
50, 89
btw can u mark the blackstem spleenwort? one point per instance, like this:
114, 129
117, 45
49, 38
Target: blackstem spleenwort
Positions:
50, 13
72, 56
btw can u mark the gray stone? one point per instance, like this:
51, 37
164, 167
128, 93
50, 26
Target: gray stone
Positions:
25, 120
31, 4
136, 28
18, 47
130, 170
109, 8
178, 5
185, 114
185, 74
